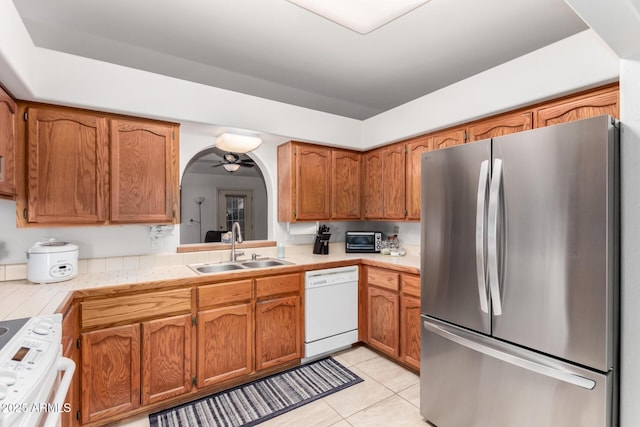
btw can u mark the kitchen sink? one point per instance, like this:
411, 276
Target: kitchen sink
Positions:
216, 268
238, 265
262, 263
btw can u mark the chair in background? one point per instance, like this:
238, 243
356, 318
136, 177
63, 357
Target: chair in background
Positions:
214, 236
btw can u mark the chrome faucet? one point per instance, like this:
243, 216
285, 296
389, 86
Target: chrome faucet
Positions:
234, 227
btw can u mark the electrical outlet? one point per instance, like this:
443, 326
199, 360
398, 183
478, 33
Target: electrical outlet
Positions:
396, 229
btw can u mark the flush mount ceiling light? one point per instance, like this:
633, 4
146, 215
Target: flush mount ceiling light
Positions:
361, 16
236, 143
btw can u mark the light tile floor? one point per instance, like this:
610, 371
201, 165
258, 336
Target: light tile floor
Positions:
389, 396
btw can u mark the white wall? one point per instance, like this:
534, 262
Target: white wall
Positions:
630, 241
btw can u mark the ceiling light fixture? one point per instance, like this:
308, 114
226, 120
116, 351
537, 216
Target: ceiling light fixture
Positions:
231, 167
236, 143
361, 16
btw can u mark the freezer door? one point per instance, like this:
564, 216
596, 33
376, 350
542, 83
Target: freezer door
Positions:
470, 380
557, 241
453, 218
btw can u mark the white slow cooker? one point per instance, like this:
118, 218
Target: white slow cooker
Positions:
52, 261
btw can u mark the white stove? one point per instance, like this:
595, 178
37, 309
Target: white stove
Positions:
31, 390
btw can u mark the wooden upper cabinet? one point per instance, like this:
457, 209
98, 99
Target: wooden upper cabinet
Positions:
67, 162
144, 171
448, 138
85, 167
582, 106
384, 186
7, 145
346, 184
304, 182
415, 148
501, 125
373, 201
393, 181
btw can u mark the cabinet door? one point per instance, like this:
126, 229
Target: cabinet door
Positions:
166, 358
313, 183
225, 343
383, 320
393, 182
373, 201
7, 145
110, 372
449, 138
345, 184
410, 330
596, 103
415, 149
501, 125
278, 331
144, 172
67, 166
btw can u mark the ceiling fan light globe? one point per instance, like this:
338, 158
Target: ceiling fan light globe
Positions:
235, 143
231, 167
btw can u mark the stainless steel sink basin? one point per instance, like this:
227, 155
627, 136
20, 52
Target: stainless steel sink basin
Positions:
216, 268
262, 263
238, 265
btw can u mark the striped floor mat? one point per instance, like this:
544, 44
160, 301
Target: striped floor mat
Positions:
260, 400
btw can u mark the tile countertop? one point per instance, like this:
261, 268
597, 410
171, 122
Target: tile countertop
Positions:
21, 298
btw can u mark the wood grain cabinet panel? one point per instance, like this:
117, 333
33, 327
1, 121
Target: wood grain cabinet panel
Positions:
346, 184
166, 358
278, 331
448, 138
144, 167
7, 145
383, 320
225, 343
581, 106
110, 372
67, 156
410, 330
304, 182
373, 185
415, 149
502, 125
393, 182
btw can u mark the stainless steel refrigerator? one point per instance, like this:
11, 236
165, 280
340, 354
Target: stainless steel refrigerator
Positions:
519, 246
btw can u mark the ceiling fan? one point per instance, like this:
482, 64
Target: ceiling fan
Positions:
231, 162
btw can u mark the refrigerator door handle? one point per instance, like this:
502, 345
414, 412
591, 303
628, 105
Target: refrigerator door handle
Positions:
530, 365
480, 218
492, 237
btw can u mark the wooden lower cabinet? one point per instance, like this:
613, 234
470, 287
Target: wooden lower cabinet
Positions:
110, 372
410, 330
225, 343
383, 320
166, 358
393, 314
278, 331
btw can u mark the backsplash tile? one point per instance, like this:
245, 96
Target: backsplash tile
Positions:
2, 273
15, 272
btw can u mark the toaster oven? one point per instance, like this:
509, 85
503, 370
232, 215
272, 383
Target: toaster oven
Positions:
362, 241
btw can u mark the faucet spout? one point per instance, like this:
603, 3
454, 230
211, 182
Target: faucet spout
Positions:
236, 233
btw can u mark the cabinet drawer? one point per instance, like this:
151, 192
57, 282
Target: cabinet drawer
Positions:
410, 284
383, 278
223, 293
275, 285
133, 308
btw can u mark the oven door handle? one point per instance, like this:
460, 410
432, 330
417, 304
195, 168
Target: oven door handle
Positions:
67, 366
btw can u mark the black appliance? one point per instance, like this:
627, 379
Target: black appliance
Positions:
362, 242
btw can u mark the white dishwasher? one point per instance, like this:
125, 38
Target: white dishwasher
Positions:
331, 310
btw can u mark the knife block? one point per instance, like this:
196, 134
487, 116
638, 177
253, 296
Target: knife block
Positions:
321, 245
